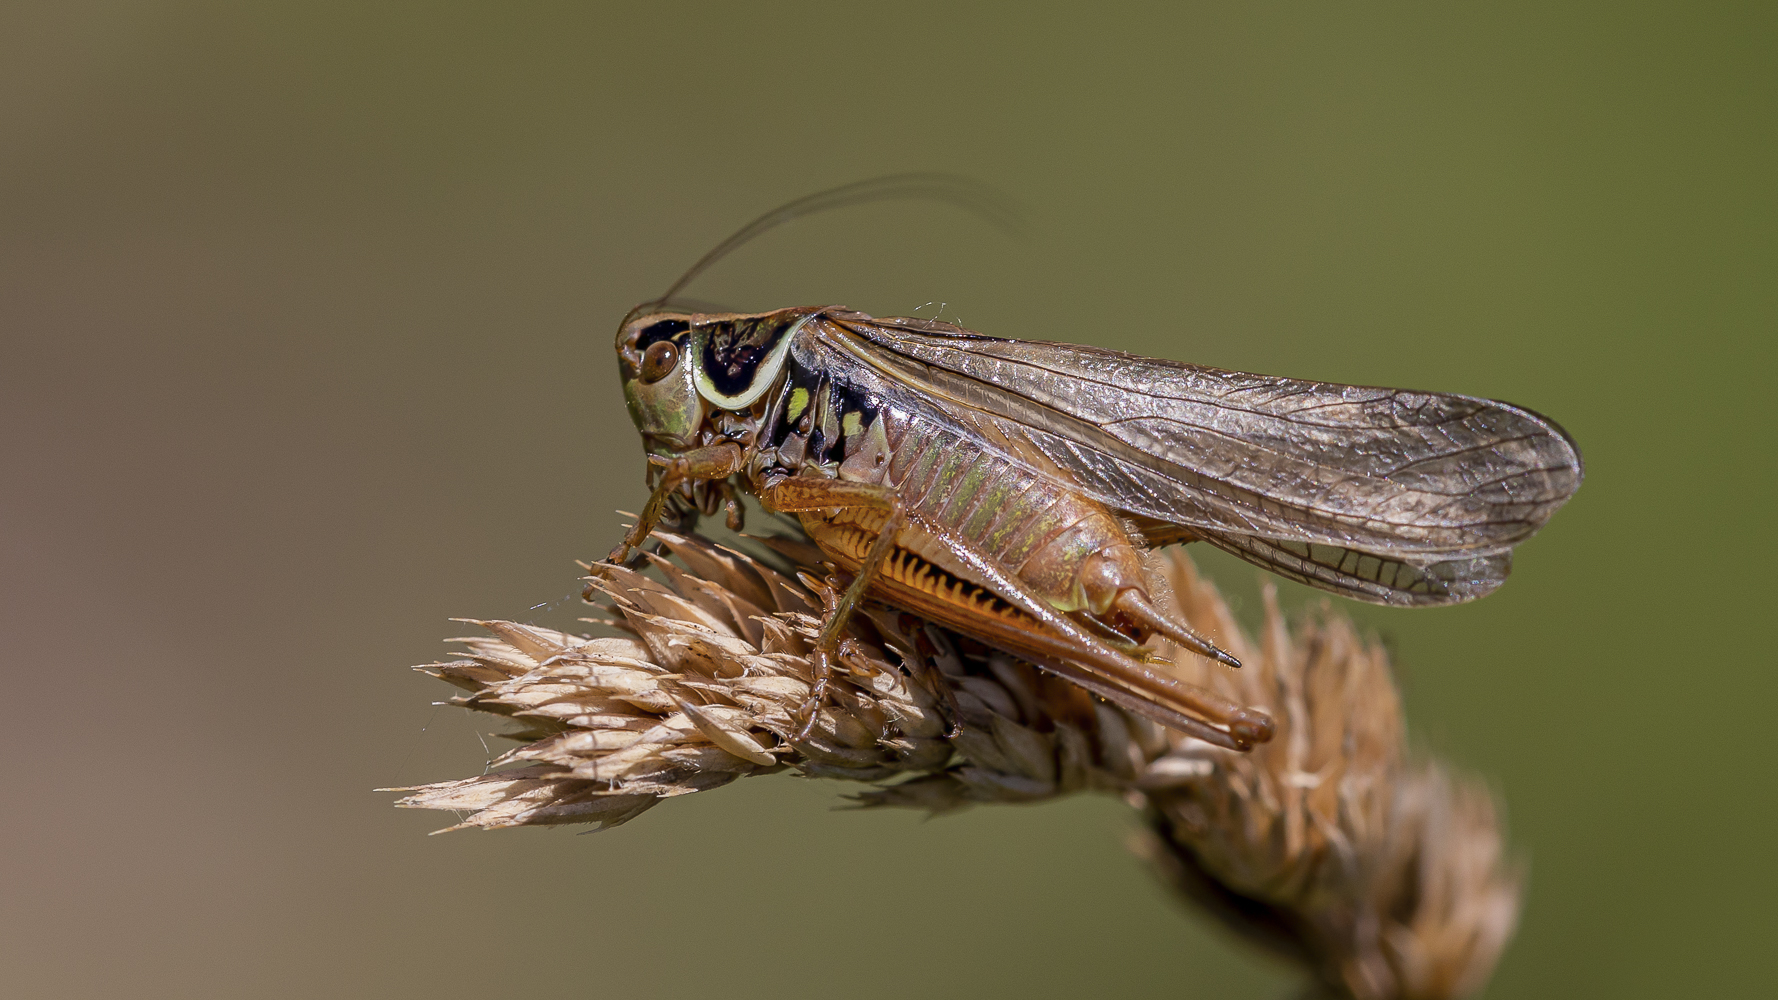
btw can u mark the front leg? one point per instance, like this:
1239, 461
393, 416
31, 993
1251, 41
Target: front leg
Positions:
717, 461
800, 494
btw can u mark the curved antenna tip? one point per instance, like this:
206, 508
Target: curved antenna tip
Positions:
979, 198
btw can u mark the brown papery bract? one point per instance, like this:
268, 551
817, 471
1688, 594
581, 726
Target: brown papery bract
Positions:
1384, 875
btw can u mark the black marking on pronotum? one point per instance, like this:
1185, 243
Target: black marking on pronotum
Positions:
734, 350
856, 409
799, 399
824, 436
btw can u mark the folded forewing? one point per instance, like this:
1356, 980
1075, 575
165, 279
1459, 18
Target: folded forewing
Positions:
1424, 479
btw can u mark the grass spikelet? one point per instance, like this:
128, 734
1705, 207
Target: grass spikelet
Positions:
1384, 875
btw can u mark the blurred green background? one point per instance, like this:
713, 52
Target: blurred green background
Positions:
305, 346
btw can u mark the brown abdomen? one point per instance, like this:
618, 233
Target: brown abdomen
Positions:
1031, 526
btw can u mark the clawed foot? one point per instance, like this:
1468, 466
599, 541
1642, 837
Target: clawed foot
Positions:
821, 664
627, 556
822, 667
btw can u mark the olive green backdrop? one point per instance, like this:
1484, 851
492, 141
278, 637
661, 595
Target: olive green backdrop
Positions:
305, 323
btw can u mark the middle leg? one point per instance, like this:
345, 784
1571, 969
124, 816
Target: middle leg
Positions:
802, 494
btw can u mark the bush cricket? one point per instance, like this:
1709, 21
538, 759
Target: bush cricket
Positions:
1007, 489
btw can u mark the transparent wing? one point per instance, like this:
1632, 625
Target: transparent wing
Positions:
1387, 495
1369, 576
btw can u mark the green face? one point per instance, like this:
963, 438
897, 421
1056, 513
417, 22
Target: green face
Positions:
660, 382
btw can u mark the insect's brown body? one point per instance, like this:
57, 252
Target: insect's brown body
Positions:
1064, 548
1007, 488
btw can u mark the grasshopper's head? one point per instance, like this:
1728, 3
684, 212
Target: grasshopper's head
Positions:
681, 369
654, 357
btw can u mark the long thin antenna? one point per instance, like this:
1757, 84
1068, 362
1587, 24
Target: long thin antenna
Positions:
965, 192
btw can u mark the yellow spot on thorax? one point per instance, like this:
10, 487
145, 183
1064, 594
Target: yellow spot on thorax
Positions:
851, 424
799, 401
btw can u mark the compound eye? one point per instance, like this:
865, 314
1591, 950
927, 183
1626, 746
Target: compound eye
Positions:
659, 360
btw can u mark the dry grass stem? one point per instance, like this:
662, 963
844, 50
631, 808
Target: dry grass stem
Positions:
1385, 876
